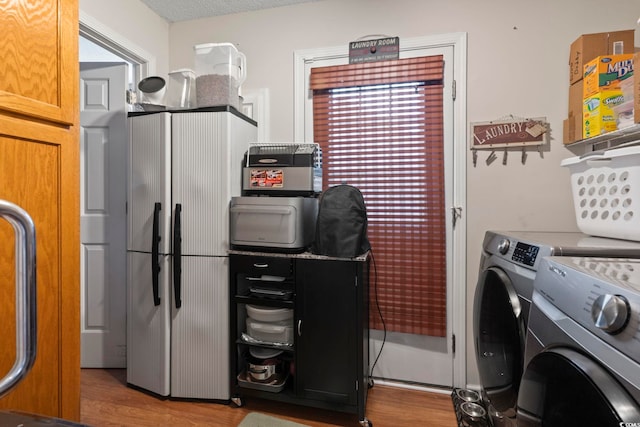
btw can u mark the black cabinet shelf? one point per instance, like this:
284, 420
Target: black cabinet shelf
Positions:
268, 302
286, 395
329, 360
260, 345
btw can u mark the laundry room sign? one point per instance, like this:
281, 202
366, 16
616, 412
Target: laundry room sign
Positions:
382, 49
511, 132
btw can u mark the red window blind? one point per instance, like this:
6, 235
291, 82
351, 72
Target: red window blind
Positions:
380, 126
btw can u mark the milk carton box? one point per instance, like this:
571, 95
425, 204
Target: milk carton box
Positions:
606, 72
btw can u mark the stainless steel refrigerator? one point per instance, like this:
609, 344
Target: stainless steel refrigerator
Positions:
184, 167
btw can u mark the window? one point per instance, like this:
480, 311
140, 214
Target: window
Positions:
380, 126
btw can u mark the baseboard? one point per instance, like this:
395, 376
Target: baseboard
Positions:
413, 386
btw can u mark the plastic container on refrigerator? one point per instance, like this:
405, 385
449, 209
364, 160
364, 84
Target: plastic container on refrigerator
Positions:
220, 71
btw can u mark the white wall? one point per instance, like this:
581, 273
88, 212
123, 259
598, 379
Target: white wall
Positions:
132, 24
517, 65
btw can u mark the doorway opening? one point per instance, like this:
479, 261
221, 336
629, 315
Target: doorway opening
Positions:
103, 201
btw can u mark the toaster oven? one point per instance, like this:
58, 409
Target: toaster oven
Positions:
282, 169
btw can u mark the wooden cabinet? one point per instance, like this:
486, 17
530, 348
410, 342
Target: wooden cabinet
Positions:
39, 52
39, 171
328, 363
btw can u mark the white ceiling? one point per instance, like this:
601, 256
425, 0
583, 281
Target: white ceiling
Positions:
184, 10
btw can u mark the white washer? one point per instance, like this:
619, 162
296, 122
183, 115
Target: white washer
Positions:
583, 345
508, 267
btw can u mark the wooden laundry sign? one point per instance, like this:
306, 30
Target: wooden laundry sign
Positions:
508, 133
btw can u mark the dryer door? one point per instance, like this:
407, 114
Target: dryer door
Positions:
561, 387
499, 332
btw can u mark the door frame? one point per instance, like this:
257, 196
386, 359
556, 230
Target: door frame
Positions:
100, 34
456, 266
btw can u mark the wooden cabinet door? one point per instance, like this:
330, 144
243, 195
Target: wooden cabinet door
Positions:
326, 348
40, 59
33, 192
39, 171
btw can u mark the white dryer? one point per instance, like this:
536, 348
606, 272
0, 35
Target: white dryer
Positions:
509, 264
583, 345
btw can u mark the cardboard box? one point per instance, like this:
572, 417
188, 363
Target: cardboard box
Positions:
588, 46
572, 129
575, 99
606, 72
598, 115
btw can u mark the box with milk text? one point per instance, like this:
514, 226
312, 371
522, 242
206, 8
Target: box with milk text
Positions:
606, 72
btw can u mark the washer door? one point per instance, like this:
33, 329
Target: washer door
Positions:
562, 387
499, 333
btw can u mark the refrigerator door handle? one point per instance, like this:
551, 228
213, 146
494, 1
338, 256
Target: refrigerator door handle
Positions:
155, 261
177, 256
26, 310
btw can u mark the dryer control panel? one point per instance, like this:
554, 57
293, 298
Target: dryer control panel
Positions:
602, 295
525, 254
521, 253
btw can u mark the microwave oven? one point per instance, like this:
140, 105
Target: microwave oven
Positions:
284, 224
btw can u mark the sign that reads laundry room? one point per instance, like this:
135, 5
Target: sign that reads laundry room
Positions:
505, 133
374, 50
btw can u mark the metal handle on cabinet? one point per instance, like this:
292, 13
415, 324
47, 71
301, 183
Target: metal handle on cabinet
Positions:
299, 328
155, 253
261, 265
26, 309
177, 256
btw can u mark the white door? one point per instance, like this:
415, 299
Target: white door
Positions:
415, 359
419, 358
103, 169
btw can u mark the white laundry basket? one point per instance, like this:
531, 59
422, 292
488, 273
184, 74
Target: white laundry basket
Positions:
606, 192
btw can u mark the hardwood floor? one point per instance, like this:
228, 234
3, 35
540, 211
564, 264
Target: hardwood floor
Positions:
107, 401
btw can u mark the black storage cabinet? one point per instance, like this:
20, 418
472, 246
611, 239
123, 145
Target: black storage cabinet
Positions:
330, 352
